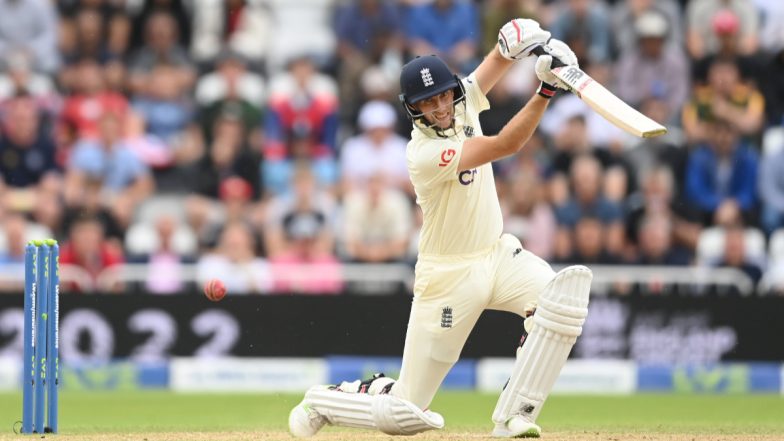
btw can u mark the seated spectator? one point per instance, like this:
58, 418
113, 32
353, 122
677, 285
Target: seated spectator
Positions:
655, 69
722, 171
142, 11
369, 33
588, 238
705, 17
227, 155
126, 179
160, 47
88, 249
624, 22
168, 277
27, 153
300, 124
377, 222
306, 266
305, 197
155, 153
236, 204
725, 97
16, 230
231, 78
20, 79
588, 200
95, 204
30, 25
447, 28
774, 90
378, 150
84, 109
243, 26
235, 262
496, 13
527, 215
735, 255
655, 242
163, 104
658, 198
584, 25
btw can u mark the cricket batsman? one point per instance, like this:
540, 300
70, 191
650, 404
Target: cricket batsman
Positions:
466, 264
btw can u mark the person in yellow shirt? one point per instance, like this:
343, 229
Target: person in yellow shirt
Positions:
465, 264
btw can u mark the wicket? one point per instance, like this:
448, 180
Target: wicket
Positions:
41, 337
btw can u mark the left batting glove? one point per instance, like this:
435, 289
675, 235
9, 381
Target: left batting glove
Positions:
559, 50
518, 37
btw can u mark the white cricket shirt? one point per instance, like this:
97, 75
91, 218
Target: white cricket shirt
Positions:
461, 211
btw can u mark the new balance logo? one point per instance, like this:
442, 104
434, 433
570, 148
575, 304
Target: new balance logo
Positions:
446, 317
516, 252
572, 75
426, 77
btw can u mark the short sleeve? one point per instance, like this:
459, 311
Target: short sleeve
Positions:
434, 162
476, 99
87, 158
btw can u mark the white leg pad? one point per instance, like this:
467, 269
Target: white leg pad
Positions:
387, 413
558, 321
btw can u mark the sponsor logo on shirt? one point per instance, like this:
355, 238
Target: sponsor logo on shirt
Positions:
466, 177
446, 157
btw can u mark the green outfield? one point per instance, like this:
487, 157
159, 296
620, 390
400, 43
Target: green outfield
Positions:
167, 416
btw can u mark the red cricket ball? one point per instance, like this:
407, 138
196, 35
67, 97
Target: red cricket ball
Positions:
215, 290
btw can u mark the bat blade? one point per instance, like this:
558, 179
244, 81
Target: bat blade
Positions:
608, 105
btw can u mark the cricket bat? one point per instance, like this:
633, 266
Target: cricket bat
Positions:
603, 101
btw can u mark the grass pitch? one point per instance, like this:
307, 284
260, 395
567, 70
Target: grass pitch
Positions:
166, 416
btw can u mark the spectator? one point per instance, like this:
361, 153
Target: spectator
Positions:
735, 255
655, 69
724, 98
496, 13
243, 26
306, 266
126, 179
527, 214
91, 101
655, 242
20, 79
447, 28
230, 79
178, 10
722, 172
706, 19
369, 33
27, 151
584, 25
163, 104
774, 90
236, 263
377, 222
378, 150
88, 249
300, 125
589, 242
168, 277
160, 47
30, 25
305, 197
771, 191
588, 200
227, 155
236, 205
149, 148
626, 13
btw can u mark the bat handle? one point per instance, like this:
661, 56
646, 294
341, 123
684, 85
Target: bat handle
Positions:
540, 50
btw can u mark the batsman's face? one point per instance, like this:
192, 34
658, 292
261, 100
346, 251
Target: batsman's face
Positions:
439, 110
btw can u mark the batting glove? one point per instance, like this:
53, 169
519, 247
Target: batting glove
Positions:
559, 50
519, 36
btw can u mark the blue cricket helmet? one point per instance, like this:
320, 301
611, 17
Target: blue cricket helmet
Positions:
424, 77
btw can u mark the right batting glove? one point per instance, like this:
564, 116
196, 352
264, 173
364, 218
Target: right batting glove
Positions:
517, 37
560, 50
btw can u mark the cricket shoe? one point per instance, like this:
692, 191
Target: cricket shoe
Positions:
517, 427
305, 421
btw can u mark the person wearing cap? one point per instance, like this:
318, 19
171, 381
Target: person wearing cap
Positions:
377, 150
654, 69
708, 20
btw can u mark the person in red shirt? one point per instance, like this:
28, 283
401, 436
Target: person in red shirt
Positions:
89, 252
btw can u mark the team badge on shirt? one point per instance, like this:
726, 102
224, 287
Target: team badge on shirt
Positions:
469, 131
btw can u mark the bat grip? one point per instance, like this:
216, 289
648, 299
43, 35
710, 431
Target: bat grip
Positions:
540, 50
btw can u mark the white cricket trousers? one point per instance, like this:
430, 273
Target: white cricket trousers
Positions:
450, 293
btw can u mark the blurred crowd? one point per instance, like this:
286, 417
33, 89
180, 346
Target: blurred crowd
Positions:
249, 136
